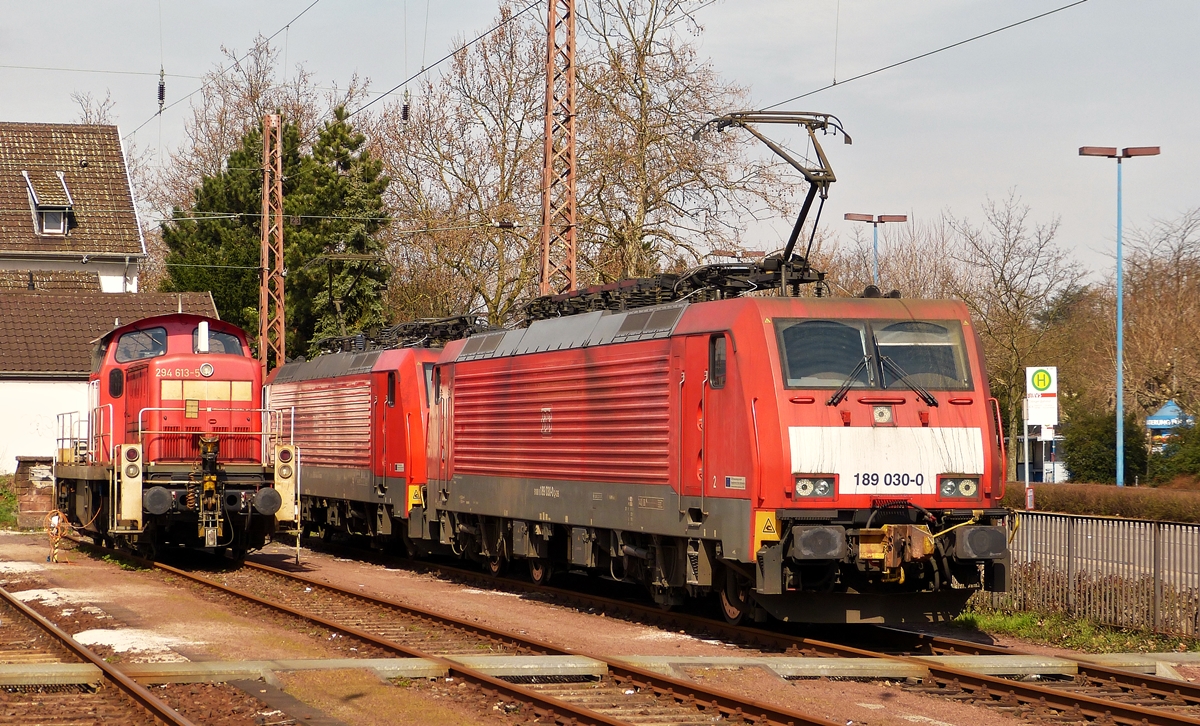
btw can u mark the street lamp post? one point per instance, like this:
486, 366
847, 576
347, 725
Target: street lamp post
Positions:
875, 222
1111, 152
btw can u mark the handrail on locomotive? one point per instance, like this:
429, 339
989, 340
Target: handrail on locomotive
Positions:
78, 442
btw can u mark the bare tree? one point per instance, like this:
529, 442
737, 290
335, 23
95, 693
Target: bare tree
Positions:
233, 99
649, 192
915, 258
1012, 273
1162, 304
93, 110
466, 160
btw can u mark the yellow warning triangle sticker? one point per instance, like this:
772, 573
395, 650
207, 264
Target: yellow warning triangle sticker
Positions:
769, 526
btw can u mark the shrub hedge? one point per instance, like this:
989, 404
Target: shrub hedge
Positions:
8, 502
1169, 505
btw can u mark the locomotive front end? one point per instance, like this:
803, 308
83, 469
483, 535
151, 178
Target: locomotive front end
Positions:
177, 446
891, 473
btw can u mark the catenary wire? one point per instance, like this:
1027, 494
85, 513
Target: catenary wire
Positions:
223, 71
924, 55
94, 70
446, 57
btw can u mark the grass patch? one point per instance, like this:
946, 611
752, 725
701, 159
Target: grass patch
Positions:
123, 563
1072, 633
1158, 503
8, 502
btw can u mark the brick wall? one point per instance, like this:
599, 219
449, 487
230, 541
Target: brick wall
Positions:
34, 484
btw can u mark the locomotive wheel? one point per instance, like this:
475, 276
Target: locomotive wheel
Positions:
146, 549
735, 607
539, 570
496, 566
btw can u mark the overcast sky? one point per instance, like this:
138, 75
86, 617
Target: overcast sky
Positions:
942, 133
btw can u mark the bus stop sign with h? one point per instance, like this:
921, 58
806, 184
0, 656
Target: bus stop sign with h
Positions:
1040, 409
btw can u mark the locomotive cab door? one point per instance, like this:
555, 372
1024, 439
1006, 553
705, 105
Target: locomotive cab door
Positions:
692, 384
392, 437
708, 425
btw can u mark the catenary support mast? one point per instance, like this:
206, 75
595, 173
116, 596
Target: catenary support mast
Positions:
271, 330
558, 173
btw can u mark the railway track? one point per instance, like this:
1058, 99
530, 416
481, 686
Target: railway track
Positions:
27, 640
1097, 694
623, 696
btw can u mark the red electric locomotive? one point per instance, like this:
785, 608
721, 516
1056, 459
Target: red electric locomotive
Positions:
359, 418
812, 459
176, 449
806, 458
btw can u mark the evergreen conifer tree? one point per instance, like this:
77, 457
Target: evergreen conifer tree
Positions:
333, 207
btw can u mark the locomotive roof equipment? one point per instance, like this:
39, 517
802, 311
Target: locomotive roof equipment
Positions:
784, 271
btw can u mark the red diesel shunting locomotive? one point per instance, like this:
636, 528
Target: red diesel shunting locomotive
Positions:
176, 447
814, 459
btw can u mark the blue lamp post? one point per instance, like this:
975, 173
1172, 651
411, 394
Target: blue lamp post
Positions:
1111, 152
875, 222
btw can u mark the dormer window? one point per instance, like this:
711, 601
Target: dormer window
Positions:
51, 217
53, 221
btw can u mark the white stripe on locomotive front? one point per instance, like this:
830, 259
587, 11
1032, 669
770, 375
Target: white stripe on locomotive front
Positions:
847, 451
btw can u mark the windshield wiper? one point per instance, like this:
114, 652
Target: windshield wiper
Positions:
841, 392
901, 376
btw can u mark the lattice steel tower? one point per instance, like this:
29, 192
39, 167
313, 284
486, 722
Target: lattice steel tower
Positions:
558, 174
271, 331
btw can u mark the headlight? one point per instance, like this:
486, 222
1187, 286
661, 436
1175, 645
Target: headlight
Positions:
285, 471
813, 487
132, 471
956, 487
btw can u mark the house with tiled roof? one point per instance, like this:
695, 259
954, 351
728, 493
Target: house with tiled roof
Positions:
46, 342
67, 214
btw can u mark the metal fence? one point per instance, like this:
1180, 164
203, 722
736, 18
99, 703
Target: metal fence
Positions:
1128, 573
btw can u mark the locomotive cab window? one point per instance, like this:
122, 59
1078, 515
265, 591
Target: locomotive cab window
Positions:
716, 361
391, 388
824, 353
932, 354
218, 342
116, 383
98, 353
429, 394
141, 344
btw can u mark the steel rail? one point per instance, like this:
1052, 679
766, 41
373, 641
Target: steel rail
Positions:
140, 695
993, 686
665, 686
1157, 685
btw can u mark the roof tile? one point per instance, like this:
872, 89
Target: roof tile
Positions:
93, 166
51, 333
